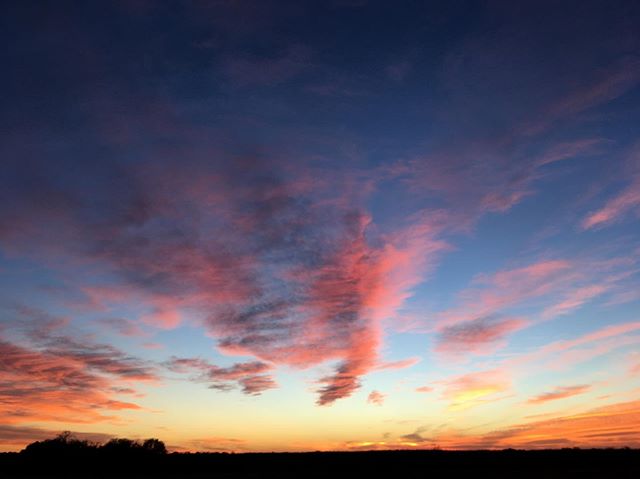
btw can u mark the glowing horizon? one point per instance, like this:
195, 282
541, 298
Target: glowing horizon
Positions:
225, 228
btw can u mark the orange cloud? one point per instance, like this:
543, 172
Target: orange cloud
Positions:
615, 425
68, 383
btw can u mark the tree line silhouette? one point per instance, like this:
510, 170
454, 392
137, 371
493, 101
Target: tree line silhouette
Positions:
121, 458
65, 444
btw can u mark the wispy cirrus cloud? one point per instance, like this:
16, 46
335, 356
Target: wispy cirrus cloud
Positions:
627, 201
490, 309
399, 364
561, 392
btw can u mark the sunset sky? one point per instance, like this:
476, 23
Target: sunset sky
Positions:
324, 225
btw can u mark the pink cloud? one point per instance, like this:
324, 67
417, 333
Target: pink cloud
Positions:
574, 299
548, 288
424, 389
475, 324
565, 151
376, 398
567, 353
628, 200
400, 364
493, 293
560, 392
603, 333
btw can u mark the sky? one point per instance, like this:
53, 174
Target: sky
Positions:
338, 225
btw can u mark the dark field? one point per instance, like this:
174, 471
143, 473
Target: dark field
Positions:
564, 463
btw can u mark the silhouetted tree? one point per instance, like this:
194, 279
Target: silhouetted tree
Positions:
121, 445
63, 444
154, 446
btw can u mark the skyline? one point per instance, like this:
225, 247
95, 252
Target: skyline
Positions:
342, 225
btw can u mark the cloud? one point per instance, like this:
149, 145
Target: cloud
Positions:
491, 308
574, 299
255, 385
414, 437
476, 336
400, 364
480, 322
250, 376
610, 84
628, 200
561, 392
568, 150
567, 353
122, 326
65, 381
376, 397
614, 425
496, 292
285, 271
424, 389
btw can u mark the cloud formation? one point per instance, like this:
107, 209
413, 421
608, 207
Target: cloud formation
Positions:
66, 381
250, 376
